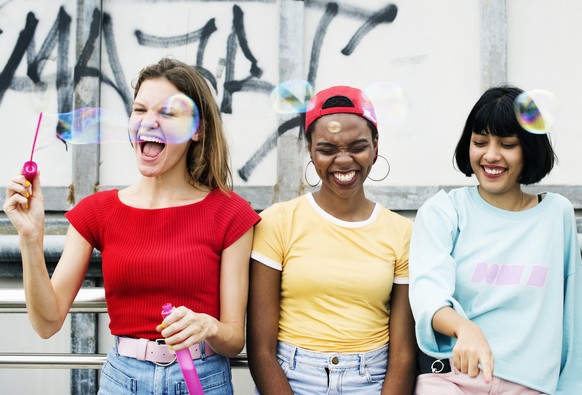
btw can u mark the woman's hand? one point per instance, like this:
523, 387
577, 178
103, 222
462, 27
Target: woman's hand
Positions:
184, 328
24, 206
472, 350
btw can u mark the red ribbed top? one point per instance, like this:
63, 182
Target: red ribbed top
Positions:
151, 257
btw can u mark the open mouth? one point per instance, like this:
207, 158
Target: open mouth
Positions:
151, 146
344, 178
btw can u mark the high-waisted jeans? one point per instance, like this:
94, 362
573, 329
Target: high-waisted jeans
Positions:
312, 372
125, 375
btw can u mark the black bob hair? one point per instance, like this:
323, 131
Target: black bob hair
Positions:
494, 114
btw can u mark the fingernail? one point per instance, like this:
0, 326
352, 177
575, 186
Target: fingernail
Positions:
27, 183
26, 206
27, 195
170, 347
163, 325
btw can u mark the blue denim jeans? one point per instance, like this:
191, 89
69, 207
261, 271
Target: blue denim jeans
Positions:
125, 375
312, 372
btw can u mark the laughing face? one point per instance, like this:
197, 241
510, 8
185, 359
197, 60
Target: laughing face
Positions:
497, 162
162, 123
342, 156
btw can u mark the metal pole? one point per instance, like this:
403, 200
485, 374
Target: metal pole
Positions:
493, 43
291, 147
84, 341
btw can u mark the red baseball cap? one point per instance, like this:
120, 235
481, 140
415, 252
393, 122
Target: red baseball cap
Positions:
361, 105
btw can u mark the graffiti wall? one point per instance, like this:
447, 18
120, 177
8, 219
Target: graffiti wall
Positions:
420, 60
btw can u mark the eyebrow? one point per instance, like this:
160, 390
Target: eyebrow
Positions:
355, 142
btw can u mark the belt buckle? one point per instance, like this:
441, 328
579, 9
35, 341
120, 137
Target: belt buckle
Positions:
161, 342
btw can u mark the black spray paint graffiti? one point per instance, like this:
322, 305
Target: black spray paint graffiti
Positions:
59, 38
371, 20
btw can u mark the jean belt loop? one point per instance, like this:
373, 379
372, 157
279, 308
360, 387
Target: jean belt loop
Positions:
292, 357
362, 357
116, 339
201, 347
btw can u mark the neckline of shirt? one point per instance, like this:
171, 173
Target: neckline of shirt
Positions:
491, 209
340, 222
183, 206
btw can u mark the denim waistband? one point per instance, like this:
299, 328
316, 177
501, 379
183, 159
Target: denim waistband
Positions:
331, 360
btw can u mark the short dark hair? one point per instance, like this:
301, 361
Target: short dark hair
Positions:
494, 114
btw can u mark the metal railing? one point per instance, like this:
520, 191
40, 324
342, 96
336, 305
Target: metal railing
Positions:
88, 300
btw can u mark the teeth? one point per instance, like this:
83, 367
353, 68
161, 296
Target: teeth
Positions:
151, 139
493, 171
344, 177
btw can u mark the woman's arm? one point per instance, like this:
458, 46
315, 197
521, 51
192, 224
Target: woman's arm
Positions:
48, 300
49, 303
234, 291
262, 330
471, 348
433, 274
226, 336
571, 362
401, 373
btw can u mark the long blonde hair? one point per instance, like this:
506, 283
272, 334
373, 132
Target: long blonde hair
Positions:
207, 160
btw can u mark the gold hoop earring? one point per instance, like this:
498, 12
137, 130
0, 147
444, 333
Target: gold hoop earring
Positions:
387, 172
305, 175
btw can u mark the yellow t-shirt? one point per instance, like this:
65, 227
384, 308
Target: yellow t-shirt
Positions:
336, 276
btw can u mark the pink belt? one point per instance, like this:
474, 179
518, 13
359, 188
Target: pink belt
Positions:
156, 351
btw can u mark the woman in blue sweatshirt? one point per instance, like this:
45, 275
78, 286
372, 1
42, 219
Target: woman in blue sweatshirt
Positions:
493, 268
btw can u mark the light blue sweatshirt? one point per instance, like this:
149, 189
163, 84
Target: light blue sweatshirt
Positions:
511, 273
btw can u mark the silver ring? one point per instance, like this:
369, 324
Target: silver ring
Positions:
435, 369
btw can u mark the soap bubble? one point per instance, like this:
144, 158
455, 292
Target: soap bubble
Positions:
87, 125
178, 118
536, 110
390, 101
291, 97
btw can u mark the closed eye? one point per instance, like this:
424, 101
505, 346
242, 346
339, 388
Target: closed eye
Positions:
327, 151
478, 143
167, 112
359, 148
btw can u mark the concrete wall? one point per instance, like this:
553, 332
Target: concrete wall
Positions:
431, 50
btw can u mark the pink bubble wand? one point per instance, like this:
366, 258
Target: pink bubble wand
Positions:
30, 168
186, 363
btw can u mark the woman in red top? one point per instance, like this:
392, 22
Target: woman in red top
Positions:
178, 235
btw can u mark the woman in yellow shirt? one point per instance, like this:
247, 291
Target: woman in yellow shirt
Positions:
328, 308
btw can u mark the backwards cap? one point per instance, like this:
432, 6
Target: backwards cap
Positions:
362, 105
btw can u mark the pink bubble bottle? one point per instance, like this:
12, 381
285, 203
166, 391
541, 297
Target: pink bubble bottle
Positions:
186, 363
